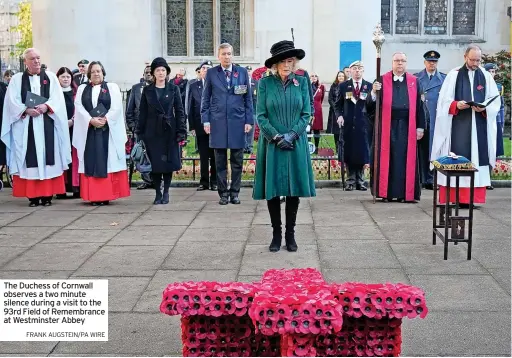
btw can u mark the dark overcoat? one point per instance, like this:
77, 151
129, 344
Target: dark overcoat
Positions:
355, 146
162, 126
226, 111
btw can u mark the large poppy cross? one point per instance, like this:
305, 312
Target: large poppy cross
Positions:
292, 313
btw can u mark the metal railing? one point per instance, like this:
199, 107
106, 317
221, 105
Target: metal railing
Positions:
196, 159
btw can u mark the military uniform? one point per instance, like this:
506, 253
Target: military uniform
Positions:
430, 86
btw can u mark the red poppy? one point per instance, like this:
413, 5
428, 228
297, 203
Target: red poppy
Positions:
104, 90
480, 87
235, 74
45, 82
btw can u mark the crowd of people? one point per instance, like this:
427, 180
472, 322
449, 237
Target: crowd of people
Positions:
66, 132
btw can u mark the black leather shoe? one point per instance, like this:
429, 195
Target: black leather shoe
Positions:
214, 187
349, 187
429, 186
361, 188
234, 199
223, 200
201, 187
165, 198
61, 196
490, 187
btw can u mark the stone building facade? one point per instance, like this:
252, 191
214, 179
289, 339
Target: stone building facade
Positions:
126, 34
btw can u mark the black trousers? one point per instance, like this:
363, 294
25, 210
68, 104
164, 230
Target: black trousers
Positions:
206, 161
236, 157
355, 174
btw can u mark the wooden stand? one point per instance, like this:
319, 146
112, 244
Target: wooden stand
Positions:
446, 219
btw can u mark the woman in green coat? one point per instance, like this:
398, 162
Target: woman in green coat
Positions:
283, 163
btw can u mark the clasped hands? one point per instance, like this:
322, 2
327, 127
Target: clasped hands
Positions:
463, 105
37, 110
98, 122
285, 141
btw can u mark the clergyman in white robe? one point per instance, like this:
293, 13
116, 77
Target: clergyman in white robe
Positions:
441, 146
44, 180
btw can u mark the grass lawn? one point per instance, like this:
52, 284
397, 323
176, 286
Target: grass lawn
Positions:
508, 147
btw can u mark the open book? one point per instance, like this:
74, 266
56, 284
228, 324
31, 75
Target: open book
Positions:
484, 104
34, 100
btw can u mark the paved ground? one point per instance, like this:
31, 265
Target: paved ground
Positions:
194, 238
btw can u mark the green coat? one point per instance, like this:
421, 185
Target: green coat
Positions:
281, 109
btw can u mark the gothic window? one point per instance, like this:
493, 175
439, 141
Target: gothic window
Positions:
230, 24
176, 28
464, 12
436, 17
429, 17
385, 16
195, 28
203, 28
407, 15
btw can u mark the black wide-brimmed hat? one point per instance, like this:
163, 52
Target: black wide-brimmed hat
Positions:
282, 50
159, 62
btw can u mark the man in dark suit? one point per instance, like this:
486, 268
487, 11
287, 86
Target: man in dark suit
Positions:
350, 111
430, 80
227, 115
81, 76
206, 154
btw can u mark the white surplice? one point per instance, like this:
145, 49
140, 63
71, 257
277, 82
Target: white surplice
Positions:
15, 130
117, 128
443, 132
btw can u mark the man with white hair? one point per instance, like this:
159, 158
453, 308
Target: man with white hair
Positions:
35, 132
464, 128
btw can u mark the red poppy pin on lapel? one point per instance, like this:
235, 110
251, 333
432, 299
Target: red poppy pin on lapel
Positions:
45, 82
235, 74
104, 90
295, 82
480, 87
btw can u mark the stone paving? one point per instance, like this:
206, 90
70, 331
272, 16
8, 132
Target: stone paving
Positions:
140, 248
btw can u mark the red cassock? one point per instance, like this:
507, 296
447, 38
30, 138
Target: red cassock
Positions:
113, 187
464, 194
35, 188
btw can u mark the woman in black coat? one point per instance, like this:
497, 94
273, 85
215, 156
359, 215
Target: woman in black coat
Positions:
162, 127
332, 124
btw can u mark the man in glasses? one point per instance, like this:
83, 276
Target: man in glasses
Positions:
81, 76
402, 124
132, 116
466, 129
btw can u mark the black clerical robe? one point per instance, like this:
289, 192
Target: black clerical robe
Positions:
401, 115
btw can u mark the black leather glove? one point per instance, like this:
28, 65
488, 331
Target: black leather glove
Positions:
291, 136
285, 144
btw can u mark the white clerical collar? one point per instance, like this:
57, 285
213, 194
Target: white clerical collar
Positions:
398, 77
66, 89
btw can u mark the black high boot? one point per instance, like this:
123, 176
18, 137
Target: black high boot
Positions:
274, 209
292, 206
157, 180
167, 184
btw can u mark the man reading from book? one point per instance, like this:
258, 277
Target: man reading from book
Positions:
464, 129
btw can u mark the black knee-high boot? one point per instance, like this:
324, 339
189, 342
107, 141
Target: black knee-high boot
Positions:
167, 184
292, 206
157, 180
274, 209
